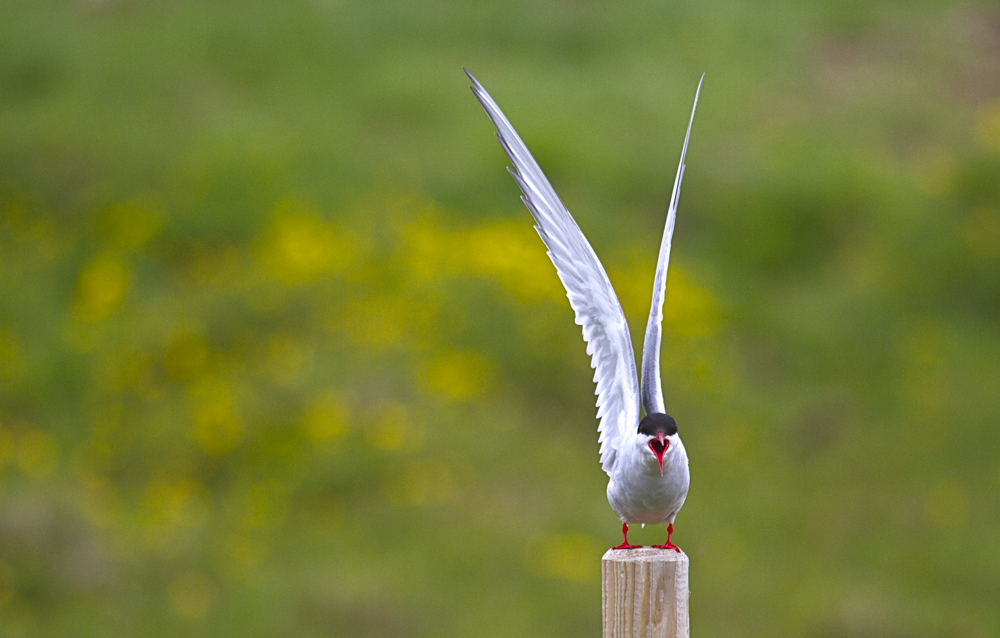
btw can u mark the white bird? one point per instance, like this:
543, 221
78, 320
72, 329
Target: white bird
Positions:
645, 460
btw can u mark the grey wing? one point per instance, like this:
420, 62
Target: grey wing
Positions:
587, 286
652, 392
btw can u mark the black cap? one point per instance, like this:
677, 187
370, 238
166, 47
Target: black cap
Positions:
658, 422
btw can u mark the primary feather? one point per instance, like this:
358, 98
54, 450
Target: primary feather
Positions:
589, 291
652, 390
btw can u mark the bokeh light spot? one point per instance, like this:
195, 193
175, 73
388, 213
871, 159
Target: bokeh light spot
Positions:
36, 453
288, 359
509, 252
392, 428
6, 446
184, 354
100, 288
300, 246
176, 503
456, 376
216, 426
326, 418
688, 310
130, 225
242, 554
377, 320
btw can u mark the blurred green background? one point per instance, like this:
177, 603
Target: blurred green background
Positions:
281, 355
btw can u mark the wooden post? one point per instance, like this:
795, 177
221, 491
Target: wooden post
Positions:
645, 593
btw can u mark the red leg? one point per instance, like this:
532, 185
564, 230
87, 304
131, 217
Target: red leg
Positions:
668, 544
625, 545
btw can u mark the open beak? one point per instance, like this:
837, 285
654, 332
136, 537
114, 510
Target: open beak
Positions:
659, 446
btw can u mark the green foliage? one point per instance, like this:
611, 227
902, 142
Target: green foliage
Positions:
280, 353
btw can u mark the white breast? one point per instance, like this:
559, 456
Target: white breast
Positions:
637, 492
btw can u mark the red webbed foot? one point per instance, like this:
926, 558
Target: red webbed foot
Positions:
626, 545
668, 544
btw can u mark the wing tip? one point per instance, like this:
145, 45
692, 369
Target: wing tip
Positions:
475, 83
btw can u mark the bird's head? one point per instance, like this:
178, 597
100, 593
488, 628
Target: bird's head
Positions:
658, 433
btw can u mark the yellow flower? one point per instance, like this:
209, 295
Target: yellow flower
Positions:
173, 503
392, 428
326, 418
456, 376
36, 453
216, 426
184, 353
130, 225
101, 287
300, 246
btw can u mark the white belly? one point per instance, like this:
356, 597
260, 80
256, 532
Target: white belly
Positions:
638, 494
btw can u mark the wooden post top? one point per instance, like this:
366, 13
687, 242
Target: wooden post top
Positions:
645, 554
645, 593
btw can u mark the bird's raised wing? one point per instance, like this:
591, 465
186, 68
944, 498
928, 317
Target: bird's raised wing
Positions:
652, 392
587, 286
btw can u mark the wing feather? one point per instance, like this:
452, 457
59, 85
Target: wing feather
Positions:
595, 305
652, 391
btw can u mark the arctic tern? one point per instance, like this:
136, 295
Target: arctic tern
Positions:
645, 459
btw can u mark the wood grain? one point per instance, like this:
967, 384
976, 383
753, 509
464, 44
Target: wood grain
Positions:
645, 593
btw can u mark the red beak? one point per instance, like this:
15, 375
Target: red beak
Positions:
659, 446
